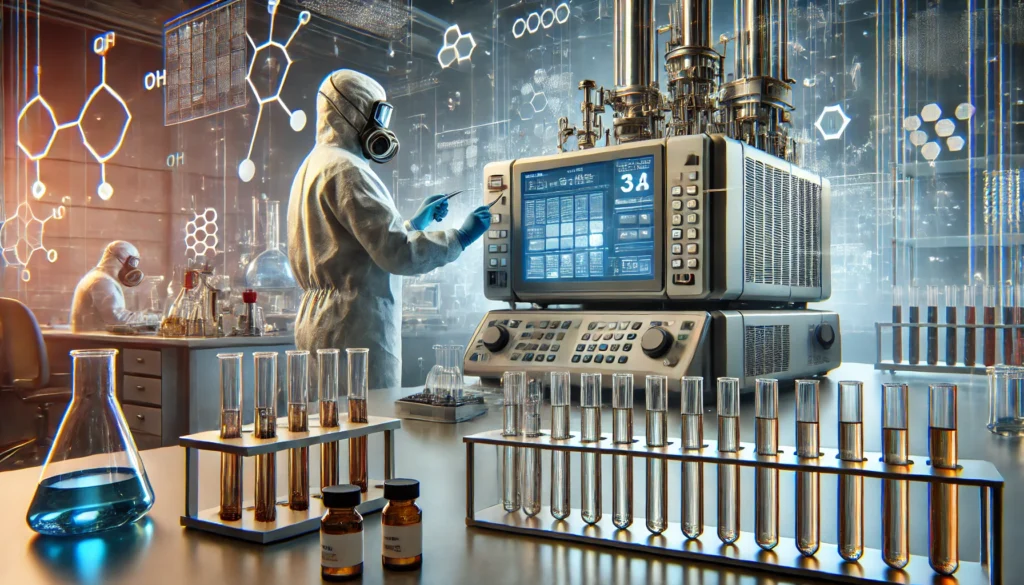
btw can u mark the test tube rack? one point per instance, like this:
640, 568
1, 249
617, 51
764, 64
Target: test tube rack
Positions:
826, 564
288, 523
941, 367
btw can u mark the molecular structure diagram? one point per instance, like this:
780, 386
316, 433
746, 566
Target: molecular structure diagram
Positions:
100, 46
297, 118
22, 236
201, 233
534, 102
537, 20
944, 128
457, 47
831, 112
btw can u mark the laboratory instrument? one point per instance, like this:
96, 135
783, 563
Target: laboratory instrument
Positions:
230, 428
265, 427
590, 432
851, 487
970, 318
766, 480
358, 386
443, 398
808, 484
560, 471
989, 298
943, 503
297, 376
895, 492
692, 496
329, 363
401, 525
341, 534
622, 465
657, 436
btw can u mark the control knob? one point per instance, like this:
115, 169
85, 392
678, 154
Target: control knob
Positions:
656, 342
825, 334
495, 338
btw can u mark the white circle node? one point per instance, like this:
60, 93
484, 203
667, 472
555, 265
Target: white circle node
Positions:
298, 120
105, 191
38, 189
246, 170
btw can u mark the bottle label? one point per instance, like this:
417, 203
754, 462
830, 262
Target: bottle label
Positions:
338, 551
402, 542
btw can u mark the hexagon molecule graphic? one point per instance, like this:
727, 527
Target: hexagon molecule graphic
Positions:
955, 143
201, 233
964, 111
931, 151
944, 127
918, 138
931, 112
457, 47
832, 111
911, 123
21, 236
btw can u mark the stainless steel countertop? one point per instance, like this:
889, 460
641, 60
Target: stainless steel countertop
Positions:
283, 338
158, 550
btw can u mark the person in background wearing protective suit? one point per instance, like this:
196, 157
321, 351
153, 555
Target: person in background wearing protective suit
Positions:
346, 241
99, 298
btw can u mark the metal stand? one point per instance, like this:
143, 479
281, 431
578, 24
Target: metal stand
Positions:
289, 523
826, 564
941, 367
420, 407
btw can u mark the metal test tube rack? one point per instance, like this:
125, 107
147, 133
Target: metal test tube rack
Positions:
288, 523
826, 564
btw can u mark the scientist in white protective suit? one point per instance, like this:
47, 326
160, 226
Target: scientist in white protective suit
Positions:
347, 244
99, 296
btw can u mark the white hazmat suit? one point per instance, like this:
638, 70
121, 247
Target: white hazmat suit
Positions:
99, 298
347, 242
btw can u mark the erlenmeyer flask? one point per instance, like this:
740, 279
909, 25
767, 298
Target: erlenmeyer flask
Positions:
93, 478
431, 384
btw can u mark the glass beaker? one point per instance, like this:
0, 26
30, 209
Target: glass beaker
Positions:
453, 366
432, 381
1005, 411
93, 478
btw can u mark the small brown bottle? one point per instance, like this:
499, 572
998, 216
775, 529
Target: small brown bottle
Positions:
341, 534
402, 526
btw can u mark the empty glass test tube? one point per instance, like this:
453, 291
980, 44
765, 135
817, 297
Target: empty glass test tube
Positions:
943, 507
266, 428
728, 475
808, 484
529, 467
932, 347
914, 332
622, 465
560, 407
297, 376
657, 469
952, 302
358, 386
766, 484
329, 362
230, 428
851, 487
515, 394
692, 496
897, 317
590, 425
895, 492
970, 318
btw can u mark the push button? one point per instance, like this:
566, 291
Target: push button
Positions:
692, 176
551, 357
555, 347
592, 347
560, 336
575, 359
549, 336
631, 336
598, 359
636, 326
623, 359
677, 234
677, 263
691, 218
515, 357
544, 347
580, 347
677, 219
607, 336
614, 347
627, 347
587, 358
683, 279
677, 190
493, 234
691, 233
691, 189
492, 248
586, 337
503, 248
692, 204
677, 205
691, 263
677, 248
618, 337
493, 262
603, 347
503, 233
539, 358
692, 248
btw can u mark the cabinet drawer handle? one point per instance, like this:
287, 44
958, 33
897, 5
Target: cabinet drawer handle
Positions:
140, 388
139, 360
141, 417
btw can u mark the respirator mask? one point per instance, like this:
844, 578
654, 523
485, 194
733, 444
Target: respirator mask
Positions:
378, 142
130, 275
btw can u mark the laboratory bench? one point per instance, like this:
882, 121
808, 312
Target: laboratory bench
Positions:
168, 386
158, 550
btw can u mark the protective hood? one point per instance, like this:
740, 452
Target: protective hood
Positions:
339, 124
114, 256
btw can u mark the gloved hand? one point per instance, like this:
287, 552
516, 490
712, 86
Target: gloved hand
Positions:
433, 208
475, 225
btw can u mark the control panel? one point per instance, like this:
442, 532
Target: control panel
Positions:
498, 241
667, 343
687, 220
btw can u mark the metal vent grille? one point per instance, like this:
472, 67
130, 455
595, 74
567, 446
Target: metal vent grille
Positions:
781, 226
765, 350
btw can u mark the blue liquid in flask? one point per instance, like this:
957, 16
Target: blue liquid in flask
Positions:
89, 500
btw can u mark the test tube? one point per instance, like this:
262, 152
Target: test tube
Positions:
515, 395
1019, 320
728, 475
297, 375
932, 351
897, 317
895, 492
989, 343
329, 361
358, 386
1008, 319
915, 332
590, 405
529, 469
230, 428
266, 428
943, 508
952, 301
692, 501
622, 465
657, 436
808, 484
560, 406
766, 485
970, 318
851, 487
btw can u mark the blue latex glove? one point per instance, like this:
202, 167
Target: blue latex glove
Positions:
433, 208
475, 225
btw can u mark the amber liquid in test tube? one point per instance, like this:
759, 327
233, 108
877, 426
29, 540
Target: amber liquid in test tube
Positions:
622, 465
327, 389
914, 332
766, 484
895, 492
529, 465
230, 428
897, 317
560, 408
657, 469
358, 386
989, 343
952, 301
851, 487
808, 484
692, 501
512, 412
932, 348
943, 506
590, 432
728, 475
266, 428
970, 318
297, 375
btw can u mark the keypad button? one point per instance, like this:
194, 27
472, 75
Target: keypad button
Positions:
587, 358
575, 359
513, 324
613, 326
503, 261
592, 347
677, 190
623, 359
691, 189
544, 347
493, 262
503, 248
560, 336
627, 347
677, 219
495, 218
692, 176
601, 324
603, 347
623, 325
528, 357
677, 248
691, 233
592, 326
692, 204
542, 325
614, 347
539, 358
549, 336
684, 279
551, 357
532, 347
503, 233
677, 263
586, 337
631, 336
677, 234
691, 218
566, 324
691, 263
493, 248
609, 359
637, 325
607, 336
520, 346
515, 357
580, 347
555, 347
598, 359
677, 205
554, 324
493, 234
692, 248
689, 325
618, 337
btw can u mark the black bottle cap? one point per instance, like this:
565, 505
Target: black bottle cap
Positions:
401, 489
342, 496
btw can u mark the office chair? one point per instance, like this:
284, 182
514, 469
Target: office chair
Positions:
26, 371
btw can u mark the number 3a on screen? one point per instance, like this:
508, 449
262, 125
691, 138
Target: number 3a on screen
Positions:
641, 184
